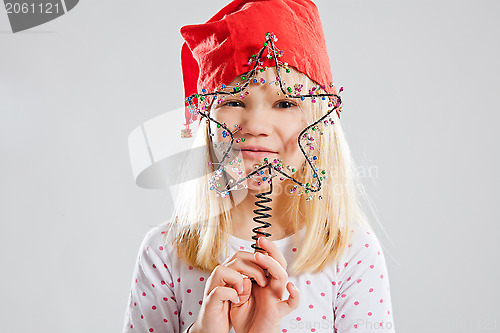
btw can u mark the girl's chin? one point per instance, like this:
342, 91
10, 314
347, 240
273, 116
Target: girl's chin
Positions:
264, 186
253, 185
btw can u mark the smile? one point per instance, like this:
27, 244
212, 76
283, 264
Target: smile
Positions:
256, 152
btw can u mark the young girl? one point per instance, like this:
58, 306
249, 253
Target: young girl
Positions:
277, 166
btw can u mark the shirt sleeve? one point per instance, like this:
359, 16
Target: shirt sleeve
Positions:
363, 301
152, 305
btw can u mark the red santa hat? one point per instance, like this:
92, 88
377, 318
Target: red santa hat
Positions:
215, 52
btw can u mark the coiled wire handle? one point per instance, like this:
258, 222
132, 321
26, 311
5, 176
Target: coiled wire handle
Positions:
261, 214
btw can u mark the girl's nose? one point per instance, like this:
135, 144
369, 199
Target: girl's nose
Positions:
254, 122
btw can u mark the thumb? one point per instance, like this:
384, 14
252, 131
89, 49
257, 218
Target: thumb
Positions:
247, 290
293, 301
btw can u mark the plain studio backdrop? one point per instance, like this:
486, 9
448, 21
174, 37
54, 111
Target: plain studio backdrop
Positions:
421, 86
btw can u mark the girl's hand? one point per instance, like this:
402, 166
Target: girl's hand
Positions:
261, 308
224, 286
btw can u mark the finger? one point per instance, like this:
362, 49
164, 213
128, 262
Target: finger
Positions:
293, 301
220, 294
247, 290
274, 267
272, 250
224, 276
245, 263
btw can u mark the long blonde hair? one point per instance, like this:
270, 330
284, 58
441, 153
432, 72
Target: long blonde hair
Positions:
201, 221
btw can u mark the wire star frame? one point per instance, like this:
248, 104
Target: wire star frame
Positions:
200, 104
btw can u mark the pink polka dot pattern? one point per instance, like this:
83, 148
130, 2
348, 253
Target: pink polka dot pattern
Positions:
166, 293
363, 298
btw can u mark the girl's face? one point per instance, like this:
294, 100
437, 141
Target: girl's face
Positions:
269, 123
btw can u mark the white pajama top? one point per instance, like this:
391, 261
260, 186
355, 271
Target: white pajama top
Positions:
349, 296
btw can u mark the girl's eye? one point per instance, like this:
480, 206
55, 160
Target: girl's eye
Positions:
285, 104
234, 104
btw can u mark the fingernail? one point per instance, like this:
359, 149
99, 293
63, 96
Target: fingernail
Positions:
260, 255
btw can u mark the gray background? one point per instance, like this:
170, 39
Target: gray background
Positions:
421, 82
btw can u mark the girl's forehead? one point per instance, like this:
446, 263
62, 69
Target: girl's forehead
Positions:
268, 80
